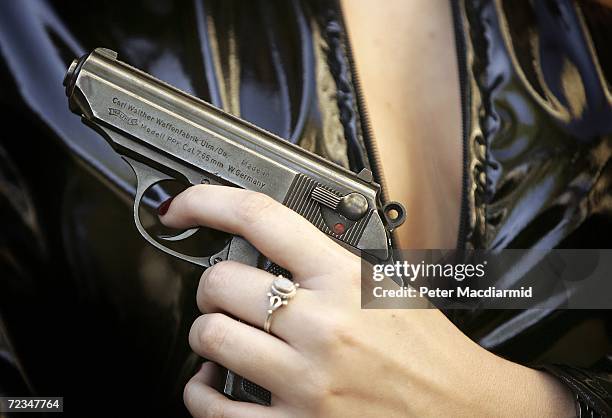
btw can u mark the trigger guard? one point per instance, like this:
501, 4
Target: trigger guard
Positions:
179, 237
147, 177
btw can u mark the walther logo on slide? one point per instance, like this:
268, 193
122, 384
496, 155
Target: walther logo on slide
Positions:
122, 116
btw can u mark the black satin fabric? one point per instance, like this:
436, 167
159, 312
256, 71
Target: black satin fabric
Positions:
90, 312
538, 169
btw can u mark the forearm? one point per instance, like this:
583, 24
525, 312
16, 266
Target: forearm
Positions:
476, 382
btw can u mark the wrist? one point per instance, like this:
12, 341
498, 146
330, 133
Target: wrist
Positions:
516, 390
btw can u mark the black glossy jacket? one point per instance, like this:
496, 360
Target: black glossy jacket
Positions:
89, 311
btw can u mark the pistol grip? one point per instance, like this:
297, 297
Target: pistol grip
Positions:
238, 249
240, 389
237, 387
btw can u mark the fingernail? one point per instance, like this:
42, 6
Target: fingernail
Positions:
163, 208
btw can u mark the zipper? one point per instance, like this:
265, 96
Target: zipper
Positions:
366, 127
464, 97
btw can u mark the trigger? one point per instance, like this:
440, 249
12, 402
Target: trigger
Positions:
147, 177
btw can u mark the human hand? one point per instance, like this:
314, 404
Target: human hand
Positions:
325, 356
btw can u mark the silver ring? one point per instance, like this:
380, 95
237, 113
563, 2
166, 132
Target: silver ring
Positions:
281, 291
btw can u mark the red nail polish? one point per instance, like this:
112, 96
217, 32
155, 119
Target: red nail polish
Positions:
163, 208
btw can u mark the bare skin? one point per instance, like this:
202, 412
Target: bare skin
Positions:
408, 68
325, 356
406, 58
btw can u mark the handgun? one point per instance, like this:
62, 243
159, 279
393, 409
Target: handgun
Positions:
165, 134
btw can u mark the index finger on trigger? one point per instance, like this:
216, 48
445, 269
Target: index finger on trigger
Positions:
276, 231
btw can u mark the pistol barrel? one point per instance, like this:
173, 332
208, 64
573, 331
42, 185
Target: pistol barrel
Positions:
152, 121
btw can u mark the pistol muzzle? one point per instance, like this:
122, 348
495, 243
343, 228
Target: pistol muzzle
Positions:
71, 74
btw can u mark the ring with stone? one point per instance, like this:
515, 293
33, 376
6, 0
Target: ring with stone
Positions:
281, 291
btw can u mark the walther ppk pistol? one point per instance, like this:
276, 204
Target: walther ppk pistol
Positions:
166, 134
